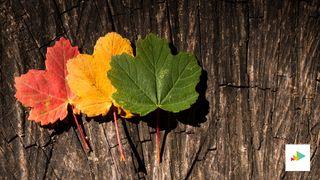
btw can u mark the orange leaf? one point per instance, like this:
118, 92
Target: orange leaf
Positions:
46, 91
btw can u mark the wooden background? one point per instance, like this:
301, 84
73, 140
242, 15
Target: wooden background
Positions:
260, 89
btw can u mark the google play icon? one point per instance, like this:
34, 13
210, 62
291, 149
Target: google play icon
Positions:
297, 156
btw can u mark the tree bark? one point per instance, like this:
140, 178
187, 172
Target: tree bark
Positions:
259, 90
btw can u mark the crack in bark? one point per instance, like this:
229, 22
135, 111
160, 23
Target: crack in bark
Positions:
11, 139
248, 87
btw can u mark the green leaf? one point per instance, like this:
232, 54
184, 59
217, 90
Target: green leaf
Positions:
154, 78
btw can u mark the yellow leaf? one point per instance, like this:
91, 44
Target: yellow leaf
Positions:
110, 45
87, 75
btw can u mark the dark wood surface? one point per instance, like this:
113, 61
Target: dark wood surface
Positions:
259, 90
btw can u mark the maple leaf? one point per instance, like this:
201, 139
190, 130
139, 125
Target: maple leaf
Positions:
87, 75
155, 79
46, 91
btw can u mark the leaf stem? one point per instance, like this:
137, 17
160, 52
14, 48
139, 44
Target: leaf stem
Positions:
122, 157
158, 136
83, 138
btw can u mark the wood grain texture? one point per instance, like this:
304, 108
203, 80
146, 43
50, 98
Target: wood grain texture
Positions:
260, 90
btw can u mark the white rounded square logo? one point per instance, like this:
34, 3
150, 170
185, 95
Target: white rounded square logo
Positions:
297, 157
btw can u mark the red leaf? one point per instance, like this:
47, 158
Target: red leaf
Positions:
46, 91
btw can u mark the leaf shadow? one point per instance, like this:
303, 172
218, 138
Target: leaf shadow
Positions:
196, 114
101, 119
61, 126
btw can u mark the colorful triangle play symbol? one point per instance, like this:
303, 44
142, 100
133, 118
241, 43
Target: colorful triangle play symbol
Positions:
298, 155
